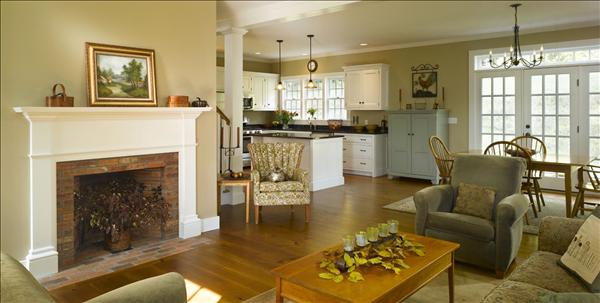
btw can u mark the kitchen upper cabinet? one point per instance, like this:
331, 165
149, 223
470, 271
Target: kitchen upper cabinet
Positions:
247, 84
366, 87
408, 143
264, 94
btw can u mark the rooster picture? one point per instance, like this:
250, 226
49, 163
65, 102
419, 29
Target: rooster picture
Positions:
425, 85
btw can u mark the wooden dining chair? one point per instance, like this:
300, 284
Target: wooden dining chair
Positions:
592, 173
538, 151
443, 158
509, 149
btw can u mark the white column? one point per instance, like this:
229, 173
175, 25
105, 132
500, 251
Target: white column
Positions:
234, 66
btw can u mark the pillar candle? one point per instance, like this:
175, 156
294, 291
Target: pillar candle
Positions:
393, 226
372, 234
383, 230
348, 243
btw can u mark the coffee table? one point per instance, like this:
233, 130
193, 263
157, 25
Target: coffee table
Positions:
298, 280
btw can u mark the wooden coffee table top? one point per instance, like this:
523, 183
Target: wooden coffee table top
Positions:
378, 281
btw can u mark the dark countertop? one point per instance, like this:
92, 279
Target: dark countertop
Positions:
320, 129
313, 136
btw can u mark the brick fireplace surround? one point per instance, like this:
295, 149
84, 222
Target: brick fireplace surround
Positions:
59, 135
143, 167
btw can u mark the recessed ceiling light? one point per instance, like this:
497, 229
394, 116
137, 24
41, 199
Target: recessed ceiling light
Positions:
304, 54
364, 44
257, 53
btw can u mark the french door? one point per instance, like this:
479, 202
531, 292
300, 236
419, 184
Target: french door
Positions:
561, 106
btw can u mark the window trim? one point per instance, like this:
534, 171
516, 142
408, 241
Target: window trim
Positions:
303, 79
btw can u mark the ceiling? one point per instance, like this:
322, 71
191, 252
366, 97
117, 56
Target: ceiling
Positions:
340, 26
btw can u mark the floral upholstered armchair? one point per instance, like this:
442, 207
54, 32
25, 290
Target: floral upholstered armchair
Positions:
267, 157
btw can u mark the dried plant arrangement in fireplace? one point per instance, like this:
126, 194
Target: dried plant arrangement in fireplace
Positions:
118, 206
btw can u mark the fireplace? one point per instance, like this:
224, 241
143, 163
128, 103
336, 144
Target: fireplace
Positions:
77, 241
79, 140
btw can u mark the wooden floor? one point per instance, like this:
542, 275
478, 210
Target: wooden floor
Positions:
237, 266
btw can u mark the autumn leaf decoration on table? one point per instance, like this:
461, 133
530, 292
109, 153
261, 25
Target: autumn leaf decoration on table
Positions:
389, 254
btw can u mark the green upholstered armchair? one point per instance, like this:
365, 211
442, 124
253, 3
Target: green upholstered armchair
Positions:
266, 157
492, 244
19, 286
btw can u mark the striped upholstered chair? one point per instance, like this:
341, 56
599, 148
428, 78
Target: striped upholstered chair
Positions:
266, 157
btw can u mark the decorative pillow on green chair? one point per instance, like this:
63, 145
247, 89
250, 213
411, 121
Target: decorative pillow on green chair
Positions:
474, 200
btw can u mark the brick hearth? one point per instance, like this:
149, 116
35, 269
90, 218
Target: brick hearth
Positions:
153, 170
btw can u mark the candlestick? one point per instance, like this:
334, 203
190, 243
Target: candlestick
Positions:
361, 238
348, 241
238, 137
221, 136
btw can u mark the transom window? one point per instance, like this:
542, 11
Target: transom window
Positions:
327, 97
552, 57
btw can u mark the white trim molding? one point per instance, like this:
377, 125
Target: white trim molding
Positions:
58, 134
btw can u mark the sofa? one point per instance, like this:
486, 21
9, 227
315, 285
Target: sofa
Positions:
492, 243
540, 278
18, 285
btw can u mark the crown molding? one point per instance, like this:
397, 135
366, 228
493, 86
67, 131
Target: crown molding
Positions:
437, 42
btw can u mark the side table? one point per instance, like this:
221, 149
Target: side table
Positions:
245, 181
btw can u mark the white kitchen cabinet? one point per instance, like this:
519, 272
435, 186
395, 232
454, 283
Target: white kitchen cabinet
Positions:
408, 144
247, 84
263, 92
366, 87
365, 154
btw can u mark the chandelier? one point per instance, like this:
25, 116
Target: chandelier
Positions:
516, 58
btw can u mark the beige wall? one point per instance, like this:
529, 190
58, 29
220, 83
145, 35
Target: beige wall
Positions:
453, 73
43, 43
251, 66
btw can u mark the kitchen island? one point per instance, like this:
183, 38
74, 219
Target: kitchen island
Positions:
322, 156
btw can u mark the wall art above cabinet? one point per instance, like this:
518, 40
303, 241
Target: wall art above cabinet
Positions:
366, 87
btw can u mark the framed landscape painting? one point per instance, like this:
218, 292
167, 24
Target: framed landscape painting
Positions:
120, 76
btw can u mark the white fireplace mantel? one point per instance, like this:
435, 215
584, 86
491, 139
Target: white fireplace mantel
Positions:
59, 134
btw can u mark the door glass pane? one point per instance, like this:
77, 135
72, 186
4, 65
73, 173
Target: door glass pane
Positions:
509, 124
564, 81
509, 85
509, 105
498, 105
536, 126
595, 125
564, 129
550, 125
486, 124
498, 87
549, 105
549, 84
564, 105
595, 104
486, 105
498, 125
595, 82
536, 84
486, 86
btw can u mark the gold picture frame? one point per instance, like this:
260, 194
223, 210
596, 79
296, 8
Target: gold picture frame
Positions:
120, 75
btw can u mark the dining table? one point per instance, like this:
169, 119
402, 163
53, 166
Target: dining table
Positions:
565, 166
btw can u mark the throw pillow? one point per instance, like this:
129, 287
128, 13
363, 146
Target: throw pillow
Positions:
474, 200
582, 258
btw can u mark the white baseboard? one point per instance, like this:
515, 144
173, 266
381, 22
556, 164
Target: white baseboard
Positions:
42, 262
190, 227
211, 223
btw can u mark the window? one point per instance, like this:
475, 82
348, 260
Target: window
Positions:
335, 99
313, 98
291, 96
593, 96
552, 57
327, 98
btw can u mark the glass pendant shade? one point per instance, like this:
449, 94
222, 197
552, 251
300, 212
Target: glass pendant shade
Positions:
280, 86
310, 84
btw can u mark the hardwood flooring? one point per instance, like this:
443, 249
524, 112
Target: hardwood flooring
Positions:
237, 266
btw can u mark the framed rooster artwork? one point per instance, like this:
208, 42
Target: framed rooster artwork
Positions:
424, 81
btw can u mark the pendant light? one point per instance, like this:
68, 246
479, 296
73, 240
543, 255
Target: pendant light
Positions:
312, 65
516, 58
280, 86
